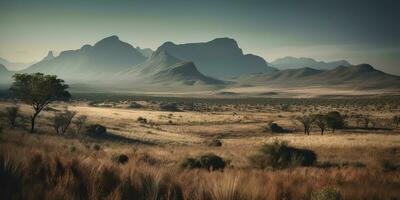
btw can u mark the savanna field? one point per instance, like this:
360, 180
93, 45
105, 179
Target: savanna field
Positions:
183, 148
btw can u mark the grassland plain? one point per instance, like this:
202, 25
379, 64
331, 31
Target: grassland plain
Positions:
361, 163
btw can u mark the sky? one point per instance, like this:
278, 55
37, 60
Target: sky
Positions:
362, 31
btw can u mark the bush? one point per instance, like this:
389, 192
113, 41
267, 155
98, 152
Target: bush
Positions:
280, 155
275, 128
208, 161
327, 193
96, 147
142, 120
79, 123
173, 107
12, 114
121, 158
135, 105
96, 130
213, 143
190, 163
212, 162
62, 121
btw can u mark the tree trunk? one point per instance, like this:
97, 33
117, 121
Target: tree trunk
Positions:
33, 118
322, 131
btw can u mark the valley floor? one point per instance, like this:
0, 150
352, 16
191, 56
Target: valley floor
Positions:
359, 163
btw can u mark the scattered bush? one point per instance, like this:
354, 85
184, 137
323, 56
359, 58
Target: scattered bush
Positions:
79, 123
142, 120
213, 142
62, 121
121, 158
280, 155
12, 114
208, 161
96, 130
173, 107
135, 105
275, 128
327, 193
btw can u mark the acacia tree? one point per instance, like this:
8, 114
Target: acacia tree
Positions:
320, 121
307, 121
334, 120
39, 90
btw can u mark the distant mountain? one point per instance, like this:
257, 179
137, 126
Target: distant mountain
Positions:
362, 76
49, 56
5, 75
220, 58
146, 52
14, 66
293, 63
108, 56
163, 69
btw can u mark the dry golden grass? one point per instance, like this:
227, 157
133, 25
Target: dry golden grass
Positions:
49, 166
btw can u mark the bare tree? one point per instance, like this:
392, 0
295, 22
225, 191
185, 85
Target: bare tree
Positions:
62, 121
307, 121
80, 122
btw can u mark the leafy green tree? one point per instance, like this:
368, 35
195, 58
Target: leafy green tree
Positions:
334, 120
39, 90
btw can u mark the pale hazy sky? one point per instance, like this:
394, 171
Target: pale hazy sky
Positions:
363, 31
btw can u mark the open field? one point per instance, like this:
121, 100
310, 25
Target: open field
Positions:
359, 162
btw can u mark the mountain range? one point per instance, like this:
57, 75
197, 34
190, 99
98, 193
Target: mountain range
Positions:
14, 66
114, 64
362, 76
290, 62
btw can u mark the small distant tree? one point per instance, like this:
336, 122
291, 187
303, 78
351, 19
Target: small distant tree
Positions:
307, 121
62, 121
12, 114
334, 120
39, 90
79, 123
365, 120
320, 121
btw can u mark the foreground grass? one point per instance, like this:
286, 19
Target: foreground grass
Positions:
42, 167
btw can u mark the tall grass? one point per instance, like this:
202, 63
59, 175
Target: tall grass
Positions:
52, 172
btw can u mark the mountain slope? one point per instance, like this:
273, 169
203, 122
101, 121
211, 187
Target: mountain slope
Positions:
14, 66
220, 58
108, 56
162, 68
293, 63
361, 76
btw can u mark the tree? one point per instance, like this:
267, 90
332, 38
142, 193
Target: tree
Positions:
334, 120
307, 121
39, 90
320, 121
62, 121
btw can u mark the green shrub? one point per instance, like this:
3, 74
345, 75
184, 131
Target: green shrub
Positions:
173, 107
212, 162
96, 130
208, 161
280, 155
327, 193
121, 158
275, 128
